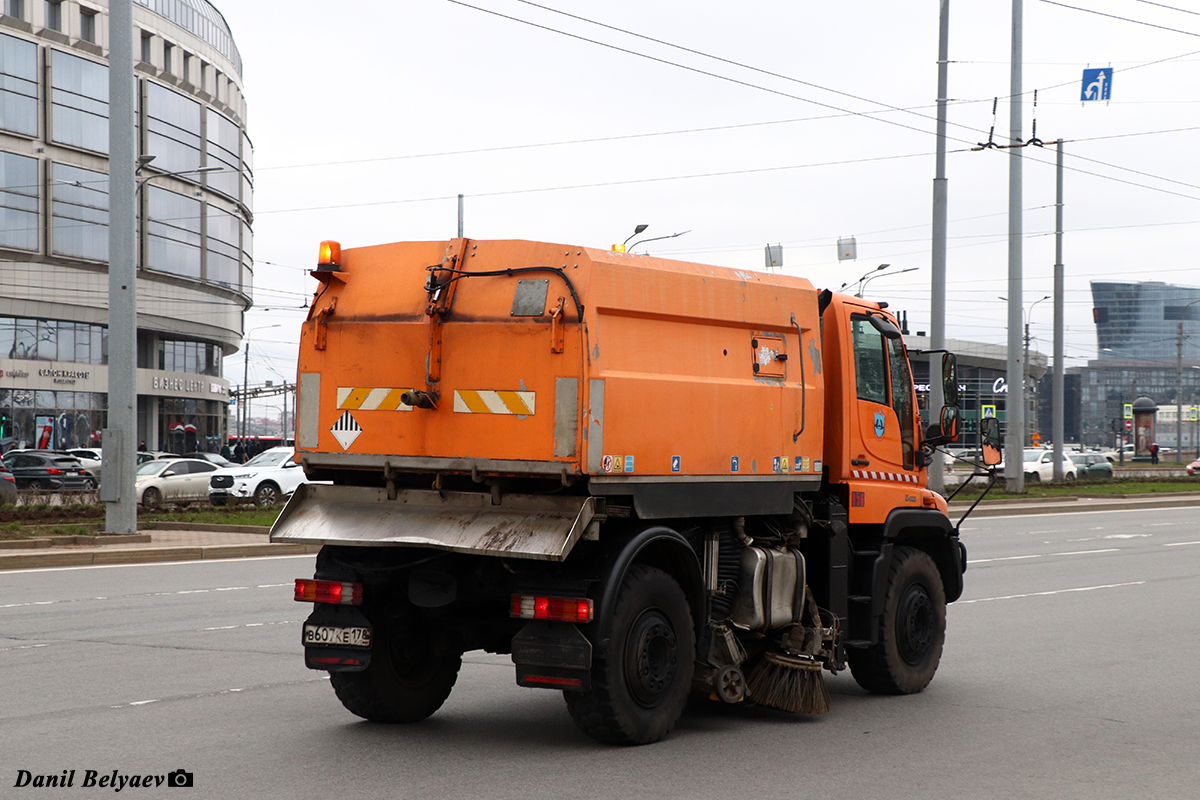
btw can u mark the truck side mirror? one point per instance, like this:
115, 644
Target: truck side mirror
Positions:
949, 423
989, 437
949, 379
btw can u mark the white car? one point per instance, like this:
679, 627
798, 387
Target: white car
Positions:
267, 479
1039, 466
180, 480
91, 459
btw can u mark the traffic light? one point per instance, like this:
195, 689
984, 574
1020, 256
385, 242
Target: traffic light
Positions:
3, 424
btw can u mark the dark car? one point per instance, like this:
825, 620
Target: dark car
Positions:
47, 470
1091, 466
8, 487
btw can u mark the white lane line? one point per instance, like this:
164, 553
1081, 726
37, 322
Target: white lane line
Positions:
143, 702
1161, 524
1046, 594
148, 594
1179, 544
249, 625
1043, 555
1128, 536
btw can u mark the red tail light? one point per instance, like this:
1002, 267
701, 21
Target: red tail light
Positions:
555, 609
53, 471
313, 591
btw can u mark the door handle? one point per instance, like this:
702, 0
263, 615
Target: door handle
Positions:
859, 462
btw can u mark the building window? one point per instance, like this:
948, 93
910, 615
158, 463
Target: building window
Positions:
173, 233
79, 102
14, 8
18, 86
223, 248
147, 47
87, 25
173, 129
79, 222
18, 202
54, 15
221, 150
188, 67
168, 56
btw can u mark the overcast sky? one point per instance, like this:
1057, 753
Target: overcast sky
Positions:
368, 121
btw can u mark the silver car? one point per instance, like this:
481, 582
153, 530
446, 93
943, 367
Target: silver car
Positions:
180, 480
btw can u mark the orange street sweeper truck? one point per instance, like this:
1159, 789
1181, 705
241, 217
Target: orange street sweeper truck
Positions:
640, 478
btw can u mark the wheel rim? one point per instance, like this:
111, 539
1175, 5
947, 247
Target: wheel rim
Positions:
915, 624
150, 498
267, 496
651, 658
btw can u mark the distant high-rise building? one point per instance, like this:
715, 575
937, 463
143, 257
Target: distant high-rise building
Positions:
1141, 320
193, 207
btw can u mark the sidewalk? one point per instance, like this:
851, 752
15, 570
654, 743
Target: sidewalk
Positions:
192, 544
199, 542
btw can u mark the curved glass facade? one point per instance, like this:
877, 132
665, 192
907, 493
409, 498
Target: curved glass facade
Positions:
194, 189
1141, 320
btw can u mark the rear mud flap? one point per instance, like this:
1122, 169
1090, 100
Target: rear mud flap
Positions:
522, 526
335, 658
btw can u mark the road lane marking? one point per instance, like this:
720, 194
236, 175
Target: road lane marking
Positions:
1128, 536
1179, 544
1042, 555
209, 561
146, 594
1054, 591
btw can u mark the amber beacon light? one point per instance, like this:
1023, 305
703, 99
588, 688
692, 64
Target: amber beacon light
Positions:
330, 257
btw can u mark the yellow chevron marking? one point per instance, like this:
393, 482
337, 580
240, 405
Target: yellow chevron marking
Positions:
514, 402
367, 398
483, 401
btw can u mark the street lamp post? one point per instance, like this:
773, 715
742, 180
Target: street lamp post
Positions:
1179, 384
245, 410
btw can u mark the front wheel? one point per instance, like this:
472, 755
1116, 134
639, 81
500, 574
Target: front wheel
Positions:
639, 689
407, 680
151, 498
914, 629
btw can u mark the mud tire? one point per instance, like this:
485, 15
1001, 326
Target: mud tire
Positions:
640, 689
914, 629
406, 680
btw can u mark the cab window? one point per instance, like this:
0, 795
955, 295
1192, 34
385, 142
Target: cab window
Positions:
902, 400
870, 361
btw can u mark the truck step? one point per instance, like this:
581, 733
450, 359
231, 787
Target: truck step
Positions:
859, 598
866, 553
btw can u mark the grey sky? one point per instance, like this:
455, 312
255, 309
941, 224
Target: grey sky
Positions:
348, 111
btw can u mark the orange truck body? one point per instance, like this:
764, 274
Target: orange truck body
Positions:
635, 393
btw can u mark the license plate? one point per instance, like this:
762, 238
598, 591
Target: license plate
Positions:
330, 635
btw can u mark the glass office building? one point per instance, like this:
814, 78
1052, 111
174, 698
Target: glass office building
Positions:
194, 214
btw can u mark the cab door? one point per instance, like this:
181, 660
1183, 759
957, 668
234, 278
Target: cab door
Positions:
884, 400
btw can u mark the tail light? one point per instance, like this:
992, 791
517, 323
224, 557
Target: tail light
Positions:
555, 609
53, 471
313, 591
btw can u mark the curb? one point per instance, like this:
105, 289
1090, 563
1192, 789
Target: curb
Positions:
150, 555
1004, 508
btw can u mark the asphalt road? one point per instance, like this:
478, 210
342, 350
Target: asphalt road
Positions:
1069, 672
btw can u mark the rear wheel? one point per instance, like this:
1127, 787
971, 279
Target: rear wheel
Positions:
408, 678
640, 688
914, 629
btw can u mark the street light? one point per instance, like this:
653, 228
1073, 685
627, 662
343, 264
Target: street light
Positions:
655, 239
864, 277
245, 411
1179, 384
868, 278
636, 230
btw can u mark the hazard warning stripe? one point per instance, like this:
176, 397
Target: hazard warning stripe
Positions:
883, 476
371, 399
483, 401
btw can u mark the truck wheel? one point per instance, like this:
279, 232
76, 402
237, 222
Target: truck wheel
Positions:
639, 690
406, 681
914, 629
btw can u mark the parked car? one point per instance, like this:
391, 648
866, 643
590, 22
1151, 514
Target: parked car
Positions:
268, 478
1194, 467
1092, 466
91, 459
179, 480
1039, 466
48, 470
8, 486
154, 455
215, 458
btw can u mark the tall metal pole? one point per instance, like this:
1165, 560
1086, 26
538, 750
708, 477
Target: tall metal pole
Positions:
1014, 474
120, 514
1058, 401
937, 292
1179, 393
460, 216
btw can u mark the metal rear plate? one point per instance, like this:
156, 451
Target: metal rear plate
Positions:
522, 526
333, 636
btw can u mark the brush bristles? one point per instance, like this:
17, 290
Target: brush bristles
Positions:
789, 684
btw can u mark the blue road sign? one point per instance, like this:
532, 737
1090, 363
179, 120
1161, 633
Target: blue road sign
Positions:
1097, 84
